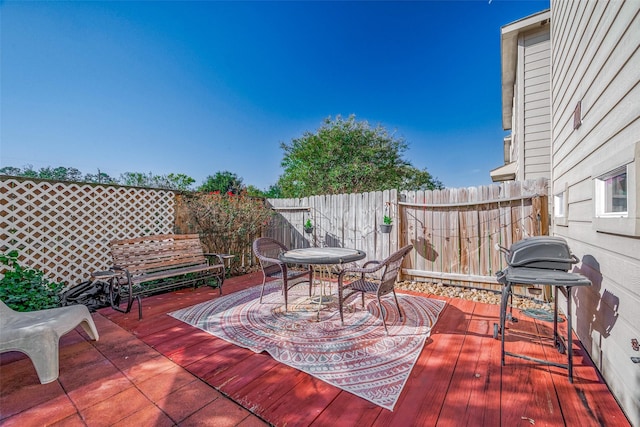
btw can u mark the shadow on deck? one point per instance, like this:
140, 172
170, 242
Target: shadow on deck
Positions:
160, 371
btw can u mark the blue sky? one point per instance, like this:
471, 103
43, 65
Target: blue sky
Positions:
202, 87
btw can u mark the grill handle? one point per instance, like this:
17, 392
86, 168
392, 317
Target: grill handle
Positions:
573, 260
504, 251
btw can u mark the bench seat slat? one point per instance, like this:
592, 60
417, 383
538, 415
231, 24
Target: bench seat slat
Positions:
164, 274
154, 264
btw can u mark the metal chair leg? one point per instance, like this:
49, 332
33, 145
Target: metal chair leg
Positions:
383, 315
397, 304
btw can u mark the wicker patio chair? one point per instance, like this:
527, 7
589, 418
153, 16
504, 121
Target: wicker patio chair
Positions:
375, 277
267, 251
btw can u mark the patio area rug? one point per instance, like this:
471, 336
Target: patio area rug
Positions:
357, 357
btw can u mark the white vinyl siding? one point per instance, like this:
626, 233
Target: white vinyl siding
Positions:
596, 61
536, 104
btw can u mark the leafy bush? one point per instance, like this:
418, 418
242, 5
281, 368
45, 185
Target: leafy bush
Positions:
26, 289
228, 222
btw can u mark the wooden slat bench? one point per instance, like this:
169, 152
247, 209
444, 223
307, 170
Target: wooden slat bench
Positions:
152, 264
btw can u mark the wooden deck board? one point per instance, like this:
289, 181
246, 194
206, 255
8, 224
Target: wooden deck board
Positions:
311, 395
190, 355
269, 388
348, 410
528, 384
473, 397
224, 356
243, 373
581, 401
457, 379
425, 392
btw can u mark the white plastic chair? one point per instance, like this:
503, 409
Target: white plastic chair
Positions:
37, 334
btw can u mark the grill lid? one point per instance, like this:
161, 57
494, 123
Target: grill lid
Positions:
547, 252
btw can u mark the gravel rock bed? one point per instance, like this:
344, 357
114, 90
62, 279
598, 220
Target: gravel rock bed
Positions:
477, 295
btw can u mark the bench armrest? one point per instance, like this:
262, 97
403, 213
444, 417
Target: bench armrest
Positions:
118, 269
219, 256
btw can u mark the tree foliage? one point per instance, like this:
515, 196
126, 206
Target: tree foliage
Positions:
348, 156
180, 182
11, 171
223, 182
100, 178
60, 173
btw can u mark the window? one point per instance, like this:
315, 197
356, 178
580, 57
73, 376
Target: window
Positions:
611, 194
615, 184
561, 206
558, 205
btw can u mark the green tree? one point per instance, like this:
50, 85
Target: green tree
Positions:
136, 179
11, 171
100, 178
223, 182
60, 173
348, 156
253, 191
273, 192
180, 182
29, 172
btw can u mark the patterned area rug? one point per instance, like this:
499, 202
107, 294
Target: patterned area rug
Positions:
357, 357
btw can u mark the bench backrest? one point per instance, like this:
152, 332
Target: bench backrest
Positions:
156, 253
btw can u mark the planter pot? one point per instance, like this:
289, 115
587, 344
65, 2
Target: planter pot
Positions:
308, 230
385, 228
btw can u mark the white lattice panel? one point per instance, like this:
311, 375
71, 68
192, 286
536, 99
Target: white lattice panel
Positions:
64, 229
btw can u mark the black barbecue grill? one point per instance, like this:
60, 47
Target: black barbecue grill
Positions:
540, 260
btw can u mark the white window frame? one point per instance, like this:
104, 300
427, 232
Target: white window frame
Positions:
604, 198
558, 205
625, 160
561, 207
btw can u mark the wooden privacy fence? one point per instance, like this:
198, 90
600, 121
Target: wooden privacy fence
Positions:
64, 228
455, 231
343, 220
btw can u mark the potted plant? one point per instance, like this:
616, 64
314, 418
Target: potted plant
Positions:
386, 225
308, 227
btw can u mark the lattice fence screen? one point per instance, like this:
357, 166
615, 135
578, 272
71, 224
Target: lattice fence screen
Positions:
64, 229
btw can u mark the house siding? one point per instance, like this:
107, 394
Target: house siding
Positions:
536, 104
596, 61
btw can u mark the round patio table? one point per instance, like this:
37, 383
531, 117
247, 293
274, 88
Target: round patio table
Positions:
321, 260
321, 256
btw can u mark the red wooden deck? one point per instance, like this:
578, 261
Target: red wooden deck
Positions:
160, 371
